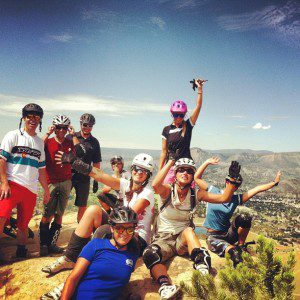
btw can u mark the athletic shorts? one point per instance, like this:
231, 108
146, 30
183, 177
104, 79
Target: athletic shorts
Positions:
82, 190
170, 244
137, 244
23, 199
59, 195
218, 242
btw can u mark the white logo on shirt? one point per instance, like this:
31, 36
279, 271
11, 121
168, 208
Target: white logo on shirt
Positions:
129, 262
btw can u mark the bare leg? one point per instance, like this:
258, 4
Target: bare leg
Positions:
243, 233
158, 270
91, 219
22, 236
190, 239
81, 211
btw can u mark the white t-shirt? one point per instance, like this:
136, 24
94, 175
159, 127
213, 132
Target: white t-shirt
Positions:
24, 155
126, 175
175, 216
145, 218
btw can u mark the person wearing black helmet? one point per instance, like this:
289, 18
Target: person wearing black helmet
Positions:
80, 182
225, 236
108, 197
104, 266
22, 165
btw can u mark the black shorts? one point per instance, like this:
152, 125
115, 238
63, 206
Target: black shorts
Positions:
82, 190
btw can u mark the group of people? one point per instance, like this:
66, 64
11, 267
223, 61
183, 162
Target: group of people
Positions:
122, 227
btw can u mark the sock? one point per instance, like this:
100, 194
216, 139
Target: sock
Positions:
75, 246
44, 233
163, 280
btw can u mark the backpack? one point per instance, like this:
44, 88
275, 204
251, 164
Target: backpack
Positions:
193, 203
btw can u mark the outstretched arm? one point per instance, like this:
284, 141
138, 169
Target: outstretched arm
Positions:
196, 111
74, 278
163, 154
198, 175
162, 189
261, 188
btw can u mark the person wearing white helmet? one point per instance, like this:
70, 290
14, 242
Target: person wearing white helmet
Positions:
175, 229
135, 193
59, 182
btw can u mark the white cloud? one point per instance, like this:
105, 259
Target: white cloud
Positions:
260, 126
99, 15
237, 117
183, 4
11, 105
62, 38
158, 21
280, 19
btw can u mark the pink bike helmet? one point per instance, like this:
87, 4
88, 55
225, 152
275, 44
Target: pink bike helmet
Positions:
178, 106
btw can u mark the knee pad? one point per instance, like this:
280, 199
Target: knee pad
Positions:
243, 220
152, 255
201, 256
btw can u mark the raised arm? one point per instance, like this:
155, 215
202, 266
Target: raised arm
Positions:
261, 188
162, 189
198, 175
196, 111
47, 134
74, 278
163, 154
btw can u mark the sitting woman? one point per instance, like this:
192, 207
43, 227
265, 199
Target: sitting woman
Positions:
223, 234
104, 266
135, 195
175, 231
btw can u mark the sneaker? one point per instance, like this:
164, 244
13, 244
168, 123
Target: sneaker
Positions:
202, 268
44, 250
168, 291
54, 294
53, 248
63, 263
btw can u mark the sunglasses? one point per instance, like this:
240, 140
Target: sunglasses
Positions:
87, 125
121, 229
61, 127
139, 170
188, 171
116, 163
33, 117
178, 115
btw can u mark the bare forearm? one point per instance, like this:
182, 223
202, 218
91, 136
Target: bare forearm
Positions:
43, 179
161, 175
69, 288
108, 180
3, 170
162, 160
258, 189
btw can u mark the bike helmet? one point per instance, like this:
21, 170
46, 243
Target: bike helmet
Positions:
32, 108
121, 215
116, 159
144, 161
88, 118
178, 106
61, 120
184, 162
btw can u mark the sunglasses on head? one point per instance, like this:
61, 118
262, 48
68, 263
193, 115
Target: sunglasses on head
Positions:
121, 229
33, 117
87, 125
178, 115
138, 169
58, 127
187, 170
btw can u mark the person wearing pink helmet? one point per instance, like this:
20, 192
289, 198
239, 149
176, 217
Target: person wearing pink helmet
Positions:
176, 138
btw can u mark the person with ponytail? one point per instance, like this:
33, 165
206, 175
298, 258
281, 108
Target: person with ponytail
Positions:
22, 165
176, 138
135, 193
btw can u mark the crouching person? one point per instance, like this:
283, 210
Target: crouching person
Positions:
175, 232
225, 236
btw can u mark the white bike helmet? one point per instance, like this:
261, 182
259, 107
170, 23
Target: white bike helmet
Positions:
144, 161
185, 162
61, 120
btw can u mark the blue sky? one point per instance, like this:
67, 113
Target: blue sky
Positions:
126, 61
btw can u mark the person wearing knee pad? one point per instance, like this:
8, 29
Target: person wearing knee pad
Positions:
108, 197
135, 194
225, 236
175, 234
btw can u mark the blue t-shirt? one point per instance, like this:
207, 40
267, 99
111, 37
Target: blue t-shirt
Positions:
218, 214
108, 273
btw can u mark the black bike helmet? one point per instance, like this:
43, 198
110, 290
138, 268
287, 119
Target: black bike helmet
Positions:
116, 159
32, 108
88, 118
121, 215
